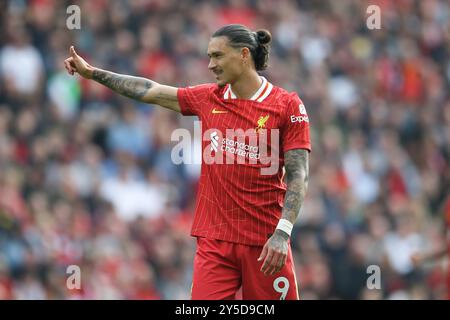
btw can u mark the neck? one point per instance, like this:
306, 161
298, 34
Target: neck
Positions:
246, 86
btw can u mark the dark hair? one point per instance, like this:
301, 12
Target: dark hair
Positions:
257, 42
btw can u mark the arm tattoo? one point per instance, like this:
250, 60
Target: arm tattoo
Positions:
129, 86
296, 165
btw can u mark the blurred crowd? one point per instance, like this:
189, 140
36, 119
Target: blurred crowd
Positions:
86, 176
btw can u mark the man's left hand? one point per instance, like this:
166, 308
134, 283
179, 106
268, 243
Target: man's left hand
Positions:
275, 252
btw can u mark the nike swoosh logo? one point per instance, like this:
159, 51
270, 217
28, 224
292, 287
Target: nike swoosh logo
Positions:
218, 111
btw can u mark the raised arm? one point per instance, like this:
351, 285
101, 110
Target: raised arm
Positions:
137, 88
276, 248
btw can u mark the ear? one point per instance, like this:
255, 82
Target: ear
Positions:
245, 53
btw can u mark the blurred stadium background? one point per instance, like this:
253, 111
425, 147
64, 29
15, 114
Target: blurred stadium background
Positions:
86, 176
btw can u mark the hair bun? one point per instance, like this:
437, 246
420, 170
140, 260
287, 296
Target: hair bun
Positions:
263, 36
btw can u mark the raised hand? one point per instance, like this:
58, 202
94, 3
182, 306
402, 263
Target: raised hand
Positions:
75, 63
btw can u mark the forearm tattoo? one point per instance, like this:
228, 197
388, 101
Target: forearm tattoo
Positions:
129, 86
297, 168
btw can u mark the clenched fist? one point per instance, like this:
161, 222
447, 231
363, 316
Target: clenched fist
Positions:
75, 63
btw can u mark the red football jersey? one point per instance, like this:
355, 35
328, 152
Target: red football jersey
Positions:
241, 190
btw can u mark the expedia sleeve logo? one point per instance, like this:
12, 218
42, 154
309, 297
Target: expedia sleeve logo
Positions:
303, 115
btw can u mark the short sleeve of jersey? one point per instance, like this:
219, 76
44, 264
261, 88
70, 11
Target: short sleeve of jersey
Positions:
295, 133
192, 98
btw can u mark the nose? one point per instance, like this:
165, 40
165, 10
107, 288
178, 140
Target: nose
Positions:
212, 65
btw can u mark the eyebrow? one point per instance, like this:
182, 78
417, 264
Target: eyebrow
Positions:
214, 53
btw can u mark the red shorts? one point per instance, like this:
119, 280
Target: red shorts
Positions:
221, 268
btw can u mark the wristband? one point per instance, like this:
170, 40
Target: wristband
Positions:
285, 225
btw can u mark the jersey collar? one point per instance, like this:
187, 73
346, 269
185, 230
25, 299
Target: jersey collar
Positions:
259, 96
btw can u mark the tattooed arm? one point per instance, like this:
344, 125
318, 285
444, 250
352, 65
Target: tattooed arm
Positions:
276, 248
297, 169
137, 88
